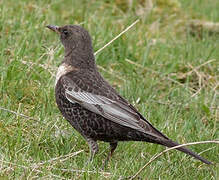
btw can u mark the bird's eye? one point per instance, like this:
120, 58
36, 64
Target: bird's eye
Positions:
65, 32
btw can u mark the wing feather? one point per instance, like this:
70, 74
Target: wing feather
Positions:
115, 110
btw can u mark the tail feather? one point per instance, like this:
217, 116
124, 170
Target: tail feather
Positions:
170, 143
162, 139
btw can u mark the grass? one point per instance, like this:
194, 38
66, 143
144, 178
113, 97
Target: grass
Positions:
170, 75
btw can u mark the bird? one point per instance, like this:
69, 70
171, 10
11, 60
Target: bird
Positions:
92, 106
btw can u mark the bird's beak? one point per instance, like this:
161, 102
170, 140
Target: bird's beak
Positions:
54, 28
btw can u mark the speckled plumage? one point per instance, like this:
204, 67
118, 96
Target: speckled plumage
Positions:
90, 124
91, 105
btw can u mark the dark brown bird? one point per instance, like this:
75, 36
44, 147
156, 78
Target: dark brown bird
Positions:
91, 105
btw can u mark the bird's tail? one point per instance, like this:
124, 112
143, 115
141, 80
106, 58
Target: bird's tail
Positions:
159, 138
170, 143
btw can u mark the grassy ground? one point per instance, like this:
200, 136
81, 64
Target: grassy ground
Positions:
167, 72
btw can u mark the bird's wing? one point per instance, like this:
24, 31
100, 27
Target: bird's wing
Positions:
117, 111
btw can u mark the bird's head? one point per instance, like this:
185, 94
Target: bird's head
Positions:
76, 41
73, 37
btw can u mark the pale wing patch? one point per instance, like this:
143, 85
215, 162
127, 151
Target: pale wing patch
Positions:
106, 107
89, 98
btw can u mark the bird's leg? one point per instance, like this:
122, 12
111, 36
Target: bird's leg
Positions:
113, 146
93, 148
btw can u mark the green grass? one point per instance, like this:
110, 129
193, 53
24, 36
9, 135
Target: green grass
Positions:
164, 52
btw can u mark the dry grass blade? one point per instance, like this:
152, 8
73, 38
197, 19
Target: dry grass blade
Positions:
175, 147
197, 92
18, 114
14, 165
35, 167
205, 63
111, 73
207, 150
158, 73
50, 69
116, 37
60, 157
197, 26
215, 87
83, 171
